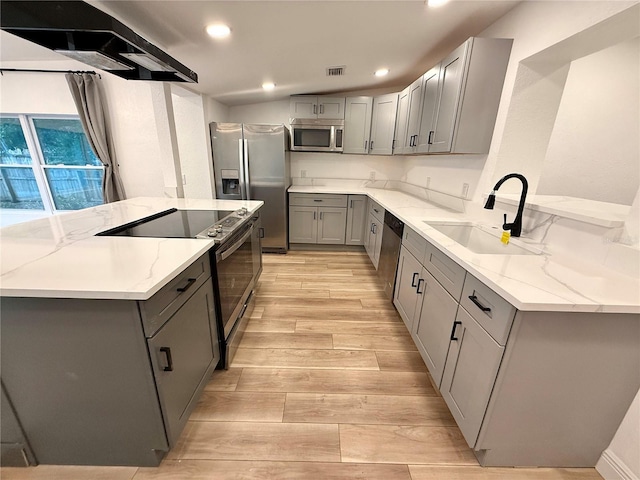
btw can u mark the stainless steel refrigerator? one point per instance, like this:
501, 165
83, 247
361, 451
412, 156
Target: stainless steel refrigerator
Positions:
251, 162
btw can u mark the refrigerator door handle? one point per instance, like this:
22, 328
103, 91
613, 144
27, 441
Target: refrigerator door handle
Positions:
243, 183
247, 178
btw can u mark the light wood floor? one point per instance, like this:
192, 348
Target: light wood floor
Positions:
327, 384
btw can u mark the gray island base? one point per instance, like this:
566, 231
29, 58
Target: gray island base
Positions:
107, 382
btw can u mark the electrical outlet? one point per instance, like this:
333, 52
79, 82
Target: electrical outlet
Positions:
372, 175
184, 179
303, 173
465, 190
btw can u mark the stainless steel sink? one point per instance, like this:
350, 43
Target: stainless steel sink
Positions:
481, 239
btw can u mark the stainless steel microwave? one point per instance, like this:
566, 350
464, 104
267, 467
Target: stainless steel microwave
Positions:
310, 135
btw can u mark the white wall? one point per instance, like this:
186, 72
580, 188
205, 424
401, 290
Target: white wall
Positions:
193, 135
594, 150
267, 112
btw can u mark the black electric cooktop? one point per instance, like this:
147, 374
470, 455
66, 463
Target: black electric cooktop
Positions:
174, 223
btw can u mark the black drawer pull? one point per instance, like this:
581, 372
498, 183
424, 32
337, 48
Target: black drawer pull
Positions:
190, 282
167, 353
453, 330
418, 287
317, 200
474, 299
413, 280
261, 232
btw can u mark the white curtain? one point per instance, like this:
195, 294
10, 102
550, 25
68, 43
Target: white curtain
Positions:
88, 99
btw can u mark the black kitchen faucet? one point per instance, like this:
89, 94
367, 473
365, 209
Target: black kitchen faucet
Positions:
515, 228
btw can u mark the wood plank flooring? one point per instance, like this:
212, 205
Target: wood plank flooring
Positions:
327, 384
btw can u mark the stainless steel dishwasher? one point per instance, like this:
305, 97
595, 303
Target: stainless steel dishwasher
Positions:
389, 251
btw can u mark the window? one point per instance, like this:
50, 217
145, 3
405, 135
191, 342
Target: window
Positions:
46, 163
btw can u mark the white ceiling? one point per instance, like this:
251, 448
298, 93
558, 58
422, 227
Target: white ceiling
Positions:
291, 43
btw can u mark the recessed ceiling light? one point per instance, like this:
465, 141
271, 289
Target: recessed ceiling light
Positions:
382, 72
218, 30
436, 3
268, 86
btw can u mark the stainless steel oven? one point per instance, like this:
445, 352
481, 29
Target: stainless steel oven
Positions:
236, 260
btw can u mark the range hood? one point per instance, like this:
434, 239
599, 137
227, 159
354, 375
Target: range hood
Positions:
84, 33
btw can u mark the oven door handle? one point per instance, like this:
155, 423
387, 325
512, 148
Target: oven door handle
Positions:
231, 250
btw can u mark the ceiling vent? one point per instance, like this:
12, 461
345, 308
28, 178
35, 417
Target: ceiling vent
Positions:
335, 71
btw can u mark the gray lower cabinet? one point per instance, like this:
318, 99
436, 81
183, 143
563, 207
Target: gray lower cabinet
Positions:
470, 373
108, 382
526, 388
327, 219
356, 219
406, 296
432, 329
181, 354
373, 236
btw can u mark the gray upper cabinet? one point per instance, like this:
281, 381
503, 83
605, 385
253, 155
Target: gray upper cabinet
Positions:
357, 124
383, 124
460, 116
408, 119
400, 131
413, 116
429, 106
313, 106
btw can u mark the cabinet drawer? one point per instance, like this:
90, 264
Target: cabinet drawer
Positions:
413, 242
489, 309
159, 308
313, 200
376, 210
447, 272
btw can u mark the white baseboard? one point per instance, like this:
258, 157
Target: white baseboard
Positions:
612, 468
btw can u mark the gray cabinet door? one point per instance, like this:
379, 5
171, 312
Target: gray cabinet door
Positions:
383, 124
331, 107
303, 224
432, 330
401, 122
450, 87
429, 108
303, 106
181, 354
406, 295
357, 124
332, 225
413, 118
469, 375
356, 219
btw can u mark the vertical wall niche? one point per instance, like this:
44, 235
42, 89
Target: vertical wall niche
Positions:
573, 123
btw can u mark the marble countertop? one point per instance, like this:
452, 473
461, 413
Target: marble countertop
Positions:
543, 282
60, 256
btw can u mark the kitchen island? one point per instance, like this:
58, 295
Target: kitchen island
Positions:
107, 341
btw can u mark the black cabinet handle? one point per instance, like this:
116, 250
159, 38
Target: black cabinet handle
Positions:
413, 280
261, 232
418, 287
317, 200
453, 330
430, 140
190, 282
167, 353
474, 299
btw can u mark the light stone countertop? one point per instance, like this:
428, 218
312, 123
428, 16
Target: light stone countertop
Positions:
60, 256
541, 282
